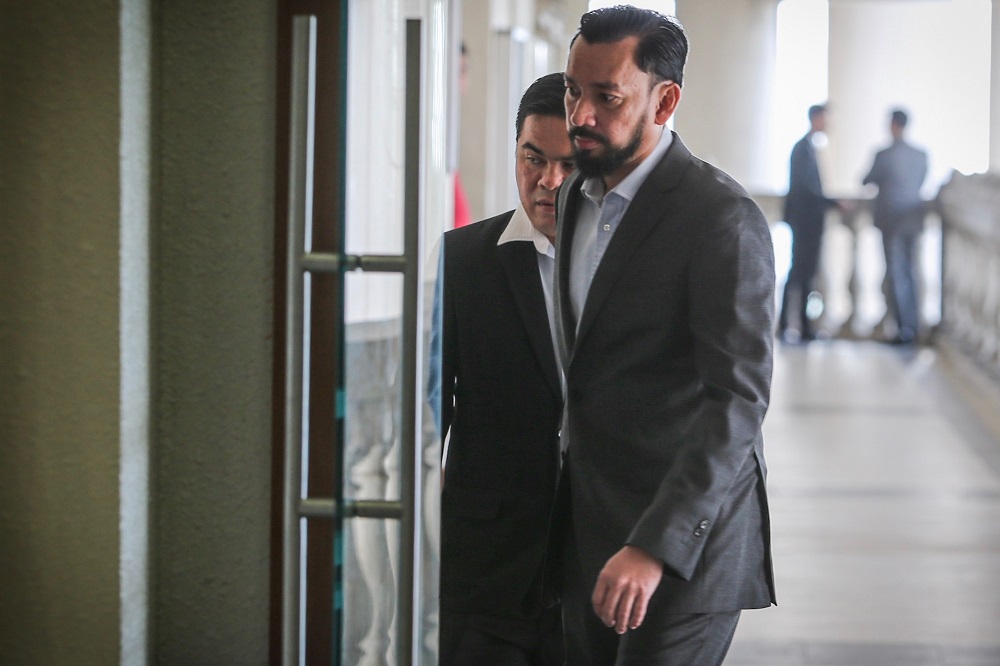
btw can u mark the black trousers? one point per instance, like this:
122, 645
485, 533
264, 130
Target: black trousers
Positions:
480, 640
664, 639
807, 241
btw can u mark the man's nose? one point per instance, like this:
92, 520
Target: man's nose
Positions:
552, 176
581, 113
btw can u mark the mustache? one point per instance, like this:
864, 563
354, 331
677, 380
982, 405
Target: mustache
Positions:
583, 132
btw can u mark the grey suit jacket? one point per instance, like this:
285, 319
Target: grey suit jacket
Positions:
668, 378
899, 173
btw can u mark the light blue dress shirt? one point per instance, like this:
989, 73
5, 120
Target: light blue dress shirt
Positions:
598, 215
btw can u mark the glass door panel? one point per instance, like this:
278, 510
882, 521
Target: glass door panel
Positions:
396, 205
369, 197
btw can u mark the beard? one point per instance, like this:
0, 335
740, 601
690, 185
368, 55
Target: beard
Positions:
613, 158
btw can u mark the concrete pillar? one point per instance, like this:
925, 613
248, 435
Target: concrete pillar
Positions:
502, 36
880, 59
724, 114
475, 105
212, 287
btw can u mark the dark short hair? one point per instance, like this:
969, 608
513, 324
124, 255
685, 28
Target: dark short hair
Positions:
899, 118
662, 49
544, 97
816, 110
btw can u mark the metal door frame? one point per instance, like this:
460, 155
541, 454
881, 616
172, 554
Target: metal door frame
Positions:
298, 507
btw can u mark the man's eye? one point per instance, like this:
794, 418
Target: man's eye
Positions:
609, 98
572, 92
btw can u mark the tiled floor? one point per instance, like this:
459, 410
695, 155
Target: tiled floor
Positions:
885, 502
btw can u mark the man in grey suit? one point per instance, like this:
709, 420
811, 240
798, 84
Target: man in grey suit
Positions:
665, 290
899, 173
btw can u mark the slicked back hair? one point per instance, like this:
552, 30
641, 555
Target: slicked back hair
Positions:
544, 97
662, 49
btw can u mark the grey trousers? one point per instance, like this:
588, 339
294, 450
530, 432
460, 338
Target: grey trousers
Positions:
664, 639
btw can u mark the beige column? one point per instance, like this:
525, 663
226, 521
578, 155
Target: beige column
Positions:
726, 101
879, 59
475, 105
505, 39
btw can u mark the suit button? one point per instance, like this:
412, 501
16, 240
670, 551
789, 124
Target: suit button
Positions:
699, 532
704, 524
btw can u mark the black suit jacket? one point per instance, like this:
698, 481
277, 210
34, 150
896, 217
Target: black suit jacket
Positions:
805, 204
502, 400
668, 379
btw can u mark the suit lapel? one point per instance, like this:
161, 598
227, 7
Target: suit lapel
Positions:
651, 205
521, 266
566, 211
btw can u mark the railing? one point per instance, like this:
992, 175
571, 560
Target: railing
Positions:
852, 268
970, 209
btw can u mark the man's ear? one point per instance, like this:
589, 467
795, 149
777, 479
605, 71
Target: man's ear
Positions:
668, 96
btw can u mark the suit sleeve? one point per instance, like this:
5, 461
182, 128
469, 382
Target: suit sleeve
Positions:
805, 170
875, 174
731, 295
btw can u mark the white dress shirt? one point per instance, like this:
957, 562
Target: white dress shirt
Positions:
520, 229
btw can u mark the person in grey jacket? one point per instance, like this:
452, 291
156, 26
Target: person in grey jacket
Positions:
665, 295
899, 172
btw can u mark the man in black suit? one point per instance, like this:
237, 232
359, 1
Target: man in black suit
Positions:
502, 401
805, 210
665, 290
899, 173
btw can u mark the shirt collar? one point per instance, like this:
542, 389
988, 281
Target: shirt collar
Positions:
520, 228
593, 188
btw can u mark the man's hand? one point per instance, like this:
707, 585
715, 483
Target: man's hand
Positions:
624, 588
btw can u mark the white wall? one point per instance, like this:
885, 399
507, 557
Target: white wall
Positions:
931, 58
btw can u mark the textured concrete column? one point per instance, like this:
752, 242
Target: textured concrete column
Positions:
213, 278
725, 105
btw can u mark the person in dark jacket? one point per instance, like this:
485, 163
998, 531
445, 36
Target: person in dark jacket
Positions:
805, 210
501, 404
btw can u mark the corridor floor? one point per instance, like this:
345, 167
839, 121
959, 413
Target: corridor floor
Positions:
885, 499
